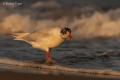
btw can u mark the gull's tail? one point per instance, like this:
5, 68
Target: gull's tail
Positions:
19, 36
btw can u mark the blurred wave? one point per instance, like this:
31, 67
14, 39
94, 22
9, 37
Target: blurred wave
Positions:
99, 24
88, 19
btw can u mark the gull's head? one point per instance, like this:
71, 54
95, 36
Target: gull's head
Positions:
66, 33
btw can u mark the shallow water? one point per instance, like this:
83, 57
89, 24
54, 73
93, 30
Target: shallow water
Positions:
84, 54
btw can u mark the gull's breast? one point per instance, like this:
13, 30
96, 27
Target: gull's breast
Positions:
52, 41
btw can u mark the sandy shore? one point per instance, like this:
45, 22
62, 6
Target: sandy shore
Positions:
10, 75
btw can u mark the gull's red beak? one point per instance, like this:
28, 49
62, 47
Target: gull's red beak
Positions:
70, 37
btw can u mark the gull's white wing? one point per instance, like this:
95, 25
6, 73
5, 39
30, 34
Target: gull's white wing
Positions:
43, 34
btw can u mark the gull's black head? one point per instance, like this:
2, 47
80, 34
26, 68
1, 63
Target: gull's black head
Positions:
66, 33
65, 30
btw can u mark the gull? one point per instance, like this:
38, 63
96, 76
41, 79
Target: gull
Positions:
46, 39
